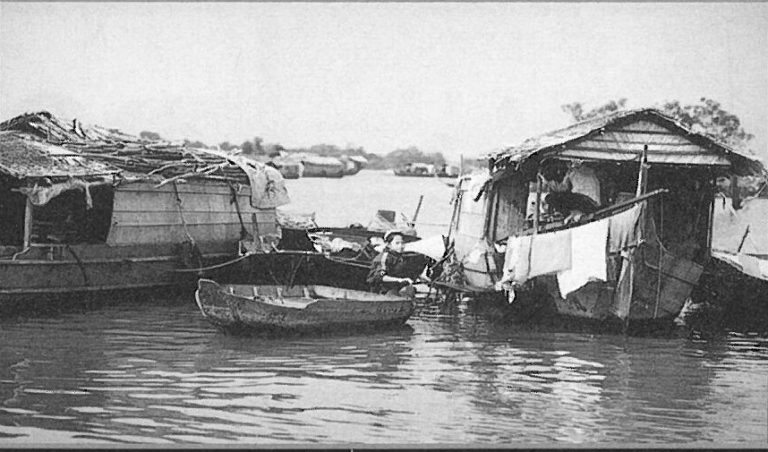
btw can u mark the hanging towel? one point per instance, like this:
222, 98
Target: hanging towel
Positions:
588, 244
517, 260
550, 253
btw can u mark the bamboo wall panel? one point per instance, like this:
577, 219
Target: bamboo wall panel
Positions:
145, 214
174, 234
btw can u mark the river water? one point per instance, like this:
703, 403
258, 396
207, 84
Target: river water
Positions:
154, 372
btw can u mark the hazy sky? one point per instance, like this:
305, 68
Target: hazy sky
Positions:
455, 78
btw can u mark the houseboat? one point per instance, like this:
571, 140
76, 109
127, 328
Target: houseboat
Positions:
353, 163
289, 167
87, 210
319, 166
427, 170
608, 221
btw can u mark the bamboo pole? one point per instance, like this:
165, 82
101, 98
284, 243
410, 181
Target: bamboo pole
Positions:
28, 210
539, 179
416, 213
643, 172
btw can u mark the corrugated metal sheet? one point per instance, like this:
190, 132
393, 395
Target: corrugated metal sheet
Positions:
629, 130
22, 156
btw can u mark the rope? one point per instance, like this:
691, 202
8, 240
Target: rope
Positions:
181, 214
79, 264
346, 261
213, 267
243, 230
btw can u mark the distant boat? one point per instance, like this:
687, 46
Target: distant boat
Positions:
319, 166
298, 309
426, 170
353, 164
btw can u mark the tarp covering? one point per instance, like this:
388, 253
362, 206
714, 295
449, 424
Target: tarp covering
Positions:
40, 195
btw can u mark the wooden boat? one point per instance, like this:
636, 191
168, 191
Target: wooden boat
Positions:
297, 261
320, 166
644, 162
426, 170
263, 309
93, 211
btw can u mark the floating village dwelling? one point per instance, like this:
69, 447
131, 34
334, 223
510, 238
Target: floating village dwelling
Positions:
608, 220
353, 163
92, 209
319, 166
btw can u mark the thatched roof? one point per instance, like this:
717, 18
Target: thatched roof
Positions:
35, 144
23, 156
741, 161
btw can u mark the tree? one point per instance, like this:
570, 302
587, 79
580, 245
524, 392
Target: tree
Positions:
257, 146
576, 109
710, 119
195, 144
226, 146
247, 147
151, 136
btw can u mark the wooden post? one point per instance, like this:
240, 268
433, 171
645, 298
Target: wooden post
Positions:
461, 165
539, 178
416, 213
28, 224
711, 219
642, 174
743, 238
735, 195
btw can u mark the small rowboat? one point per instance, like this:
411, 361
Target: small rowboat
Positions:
270, 310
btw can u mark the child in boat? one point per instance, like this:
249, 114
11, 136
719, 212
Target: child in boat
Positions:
387, 273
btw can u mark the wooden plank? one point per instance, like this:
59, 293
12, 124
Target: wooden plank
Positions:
171, 218
191, 188
142, 202
644, 126
173, 234
669, 159
637, 148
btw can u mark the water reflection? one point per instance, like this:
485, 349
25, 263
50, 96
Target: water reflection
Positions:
163, 375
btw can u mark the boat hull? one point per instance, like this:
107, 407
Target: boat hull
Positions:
650, 295
62, 275
320, 309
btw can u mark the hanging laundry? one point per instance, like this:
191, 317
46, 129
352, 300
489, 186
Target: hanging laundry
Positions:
517, 260
624, 229
550, 253
535, 255
588, 254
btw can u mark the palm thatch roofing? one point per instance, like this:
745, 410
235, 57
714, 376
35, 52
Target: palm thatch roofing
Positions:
37, 145
22, 156
554, 142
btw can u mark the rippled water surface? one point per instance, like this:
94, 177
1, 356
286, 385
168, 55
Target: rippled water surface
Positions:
154, 372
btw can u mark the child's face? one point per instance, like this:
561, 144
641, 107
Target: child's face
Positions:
396, 244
